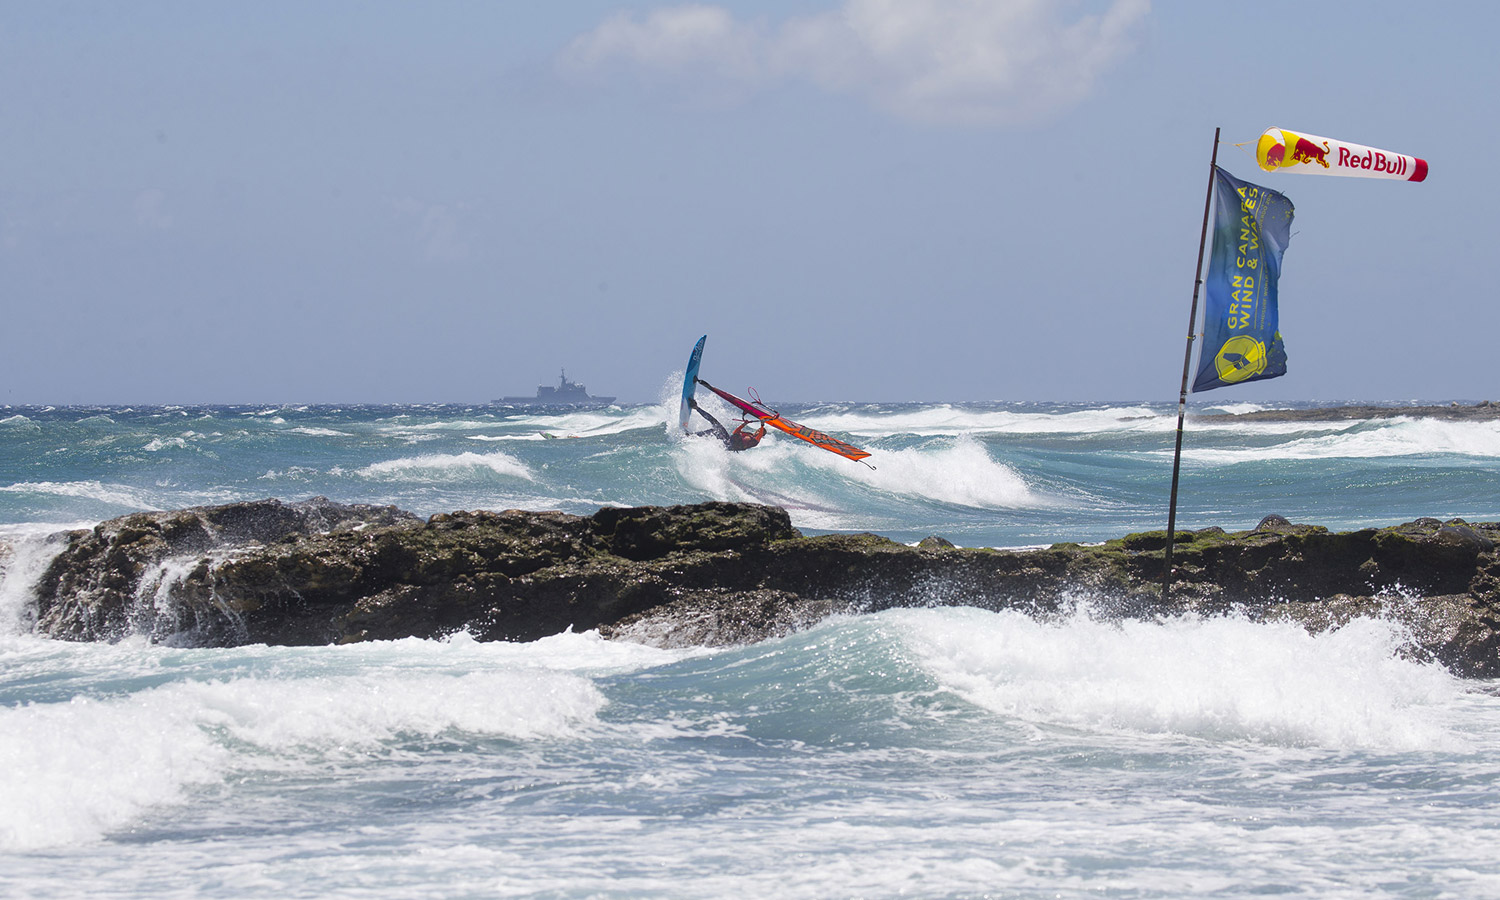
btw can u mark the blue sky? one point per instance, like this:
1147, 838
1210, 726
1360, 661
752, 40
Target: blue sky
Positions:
856, 199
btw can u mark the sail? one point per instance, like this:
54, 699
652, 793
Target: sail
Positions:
774, 419
817, 438
744, 406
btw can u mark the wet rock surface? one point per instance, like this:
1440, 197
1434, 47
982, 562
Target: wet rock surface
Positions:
721, 573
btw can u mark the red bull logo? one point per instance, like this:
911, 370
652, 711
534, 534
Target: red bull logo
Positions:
1282, 149
1307, 151
1279, 149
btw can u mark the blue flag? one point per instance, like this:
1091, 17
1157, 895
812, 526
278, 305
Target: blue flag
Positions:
1241, 341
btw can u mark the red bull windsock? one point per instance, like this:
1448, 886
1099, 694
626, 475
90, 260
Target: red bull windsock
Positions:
1280, 150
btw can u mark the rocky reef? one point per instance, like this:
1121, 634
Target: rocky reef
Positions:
719, 573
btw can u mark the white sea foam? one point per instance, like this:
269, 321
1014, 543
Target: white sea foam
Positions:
116, 494
296, 473
123, 496
447, 467
25, 553
962, 474
589, 422
1393, 437
1264, 428
704, 464
1235, 409
72, 771
950, 419
1217, 679
65, 781
815, 486
66, 778
317, 432
447, 425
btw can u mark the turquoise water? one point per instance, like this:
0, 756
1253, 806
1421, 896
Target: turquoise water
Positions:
915, 753
980, 475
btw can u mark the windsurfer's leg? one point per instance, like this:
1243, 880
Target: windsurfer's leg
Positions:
718, 429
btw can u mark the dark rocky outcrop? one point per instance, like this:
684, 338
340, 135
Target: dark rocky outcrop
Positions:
720, 573
153, 573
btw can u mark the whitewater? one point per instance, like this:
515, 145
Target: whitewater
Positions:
943, 752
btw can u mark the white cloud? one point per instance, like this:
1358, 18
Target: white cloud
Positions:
962, 61
673, 39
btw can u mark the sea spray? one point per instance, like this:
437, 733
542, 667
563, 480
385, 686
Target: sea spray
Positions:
963, 473
927, 420
80, 768
1466, 442
1220, 679
439, 467
575, 767
25, 554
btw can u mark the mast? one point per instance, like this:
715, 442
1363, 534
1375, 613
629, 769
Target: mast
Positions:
1187, 361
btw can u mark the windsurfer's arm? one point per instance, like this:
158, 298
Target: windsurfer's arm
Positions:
744, 440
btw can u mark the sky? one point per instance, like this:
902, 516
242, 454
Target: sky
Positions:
857, 200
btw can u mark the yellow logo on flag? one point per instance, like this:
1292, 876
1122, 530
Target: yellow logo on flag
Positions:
1241, 357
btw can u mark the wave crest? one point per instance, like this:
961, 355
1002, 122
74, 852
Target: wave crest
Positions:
447, 467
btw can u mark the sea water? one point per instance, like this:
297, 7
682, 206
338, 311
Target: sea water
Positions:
942, 752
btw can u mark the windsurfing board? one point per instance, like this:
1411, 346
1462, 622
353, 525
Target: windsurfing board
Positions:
690, 383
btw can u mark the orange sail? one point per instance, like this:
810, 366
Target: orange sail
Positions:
774, 419
817, 438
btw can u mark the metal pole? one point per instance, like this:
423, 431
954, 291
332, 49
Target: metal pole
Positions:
1187, 361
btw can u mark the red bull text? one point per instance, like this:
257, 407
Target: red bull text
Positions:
1282, 150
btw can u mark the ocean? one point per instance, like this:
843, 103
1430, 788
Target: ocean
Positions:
938, 752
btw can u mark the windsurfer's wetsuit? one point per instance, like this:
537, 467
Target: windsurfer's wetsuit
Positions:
739, 439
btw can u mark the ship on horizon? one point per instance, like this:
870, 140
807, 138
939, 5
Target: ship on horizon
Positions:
567, 393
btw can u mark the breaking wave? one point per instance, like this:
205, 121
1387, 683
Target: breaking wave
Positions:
447, 467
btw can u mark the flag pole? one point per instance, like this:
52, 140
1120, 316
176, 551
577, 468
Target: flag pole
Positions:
1187, 361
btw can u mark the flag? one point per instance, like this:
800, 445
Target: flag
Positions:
1241, 342
1279, 150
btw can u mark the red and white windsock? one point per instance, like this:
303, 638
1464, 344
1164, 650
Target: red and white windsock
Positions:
1280, 150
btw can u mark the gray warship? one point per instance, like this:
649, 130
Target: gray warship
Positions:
567, 393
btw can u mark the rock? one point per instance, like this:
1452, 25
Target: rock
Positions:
721, 573
719, 618
1463, 536
105, 584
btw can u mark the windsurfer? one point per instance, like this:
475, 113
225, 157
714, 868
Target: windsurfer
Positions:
739, 439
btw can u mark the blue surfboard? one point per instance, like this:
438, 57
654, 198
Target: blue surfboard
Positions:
690, 382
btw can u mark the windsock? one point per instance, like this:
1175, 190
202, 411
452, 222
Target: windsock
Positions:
1280, 150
